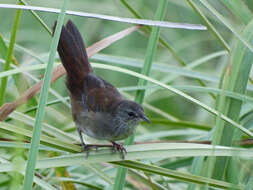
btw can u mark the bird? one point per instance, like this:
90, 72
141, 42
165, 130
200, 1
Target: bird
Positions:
98, 108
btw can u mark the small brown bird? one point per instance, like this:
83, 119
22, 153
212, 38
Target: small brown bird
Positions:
98, 109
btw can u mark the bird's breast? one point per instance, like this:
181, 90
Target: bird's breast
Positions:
104, 126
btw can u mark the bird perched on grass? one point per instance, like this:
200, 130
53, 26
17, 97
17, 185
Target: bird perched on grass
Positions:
98, 109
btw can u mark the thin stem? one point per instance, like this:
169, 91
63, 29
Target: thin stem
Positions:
9, 56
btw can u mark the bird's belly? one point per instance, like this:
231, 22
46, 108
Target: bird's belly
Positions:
103, 127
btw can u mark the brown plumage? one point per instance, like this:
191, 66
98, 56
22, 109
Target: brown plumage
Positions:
98, 108
72, 50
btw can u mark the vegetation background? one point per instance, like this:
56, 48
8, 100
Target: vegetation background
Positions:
212, 66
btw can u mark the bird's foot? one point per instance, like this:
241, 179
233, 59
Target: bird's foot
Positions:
120, 148
87, 147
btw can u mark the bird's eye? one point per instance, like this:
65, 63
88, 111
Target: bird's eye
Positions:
131, 114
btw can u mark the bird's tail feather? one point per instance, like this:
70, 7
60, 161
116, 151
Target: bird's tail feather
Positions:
72, 52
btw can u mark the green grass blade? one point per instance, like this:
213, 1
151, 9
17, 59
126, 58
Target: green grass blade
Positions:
44, 139
175, 174
23, 2
240, 9
181, 124
170, 133
29, 174
236, 80
21, 70
209, 25
138, 176
140, 151
4, 51
19, 145
43, 184
150, 52
105, 58
47, 128
101, 174
195, 169
199, 89
9, 56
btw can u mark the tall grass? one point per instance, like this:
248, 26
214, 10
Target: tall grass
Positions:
197, 88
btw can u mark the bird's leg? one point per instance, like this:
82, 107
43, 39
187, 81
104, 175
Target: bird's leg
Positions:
81, 137
85, 147
119, 147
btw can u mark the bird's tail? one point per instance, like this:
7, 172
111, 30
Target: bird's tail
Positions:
72, 52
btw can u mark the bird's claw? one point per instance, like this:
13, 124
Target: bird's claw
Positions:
120, 148
87, 148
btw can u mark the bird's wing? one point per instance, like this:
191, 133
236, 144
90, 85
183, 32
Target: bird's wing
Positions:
99, 95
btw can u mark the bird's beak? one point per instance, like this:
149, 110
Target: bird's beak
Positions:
144, 117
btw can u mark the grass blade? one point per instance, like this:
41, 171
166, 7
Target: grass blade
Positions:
175, 174
44, 139
38, 18
47, 128
29, 174
209, 25
111, 18
150, 52
240, 9
4, 51
140, 151
9, 56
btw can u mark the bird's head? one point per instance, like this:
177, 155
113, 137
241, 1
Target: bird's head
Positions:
130, 112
